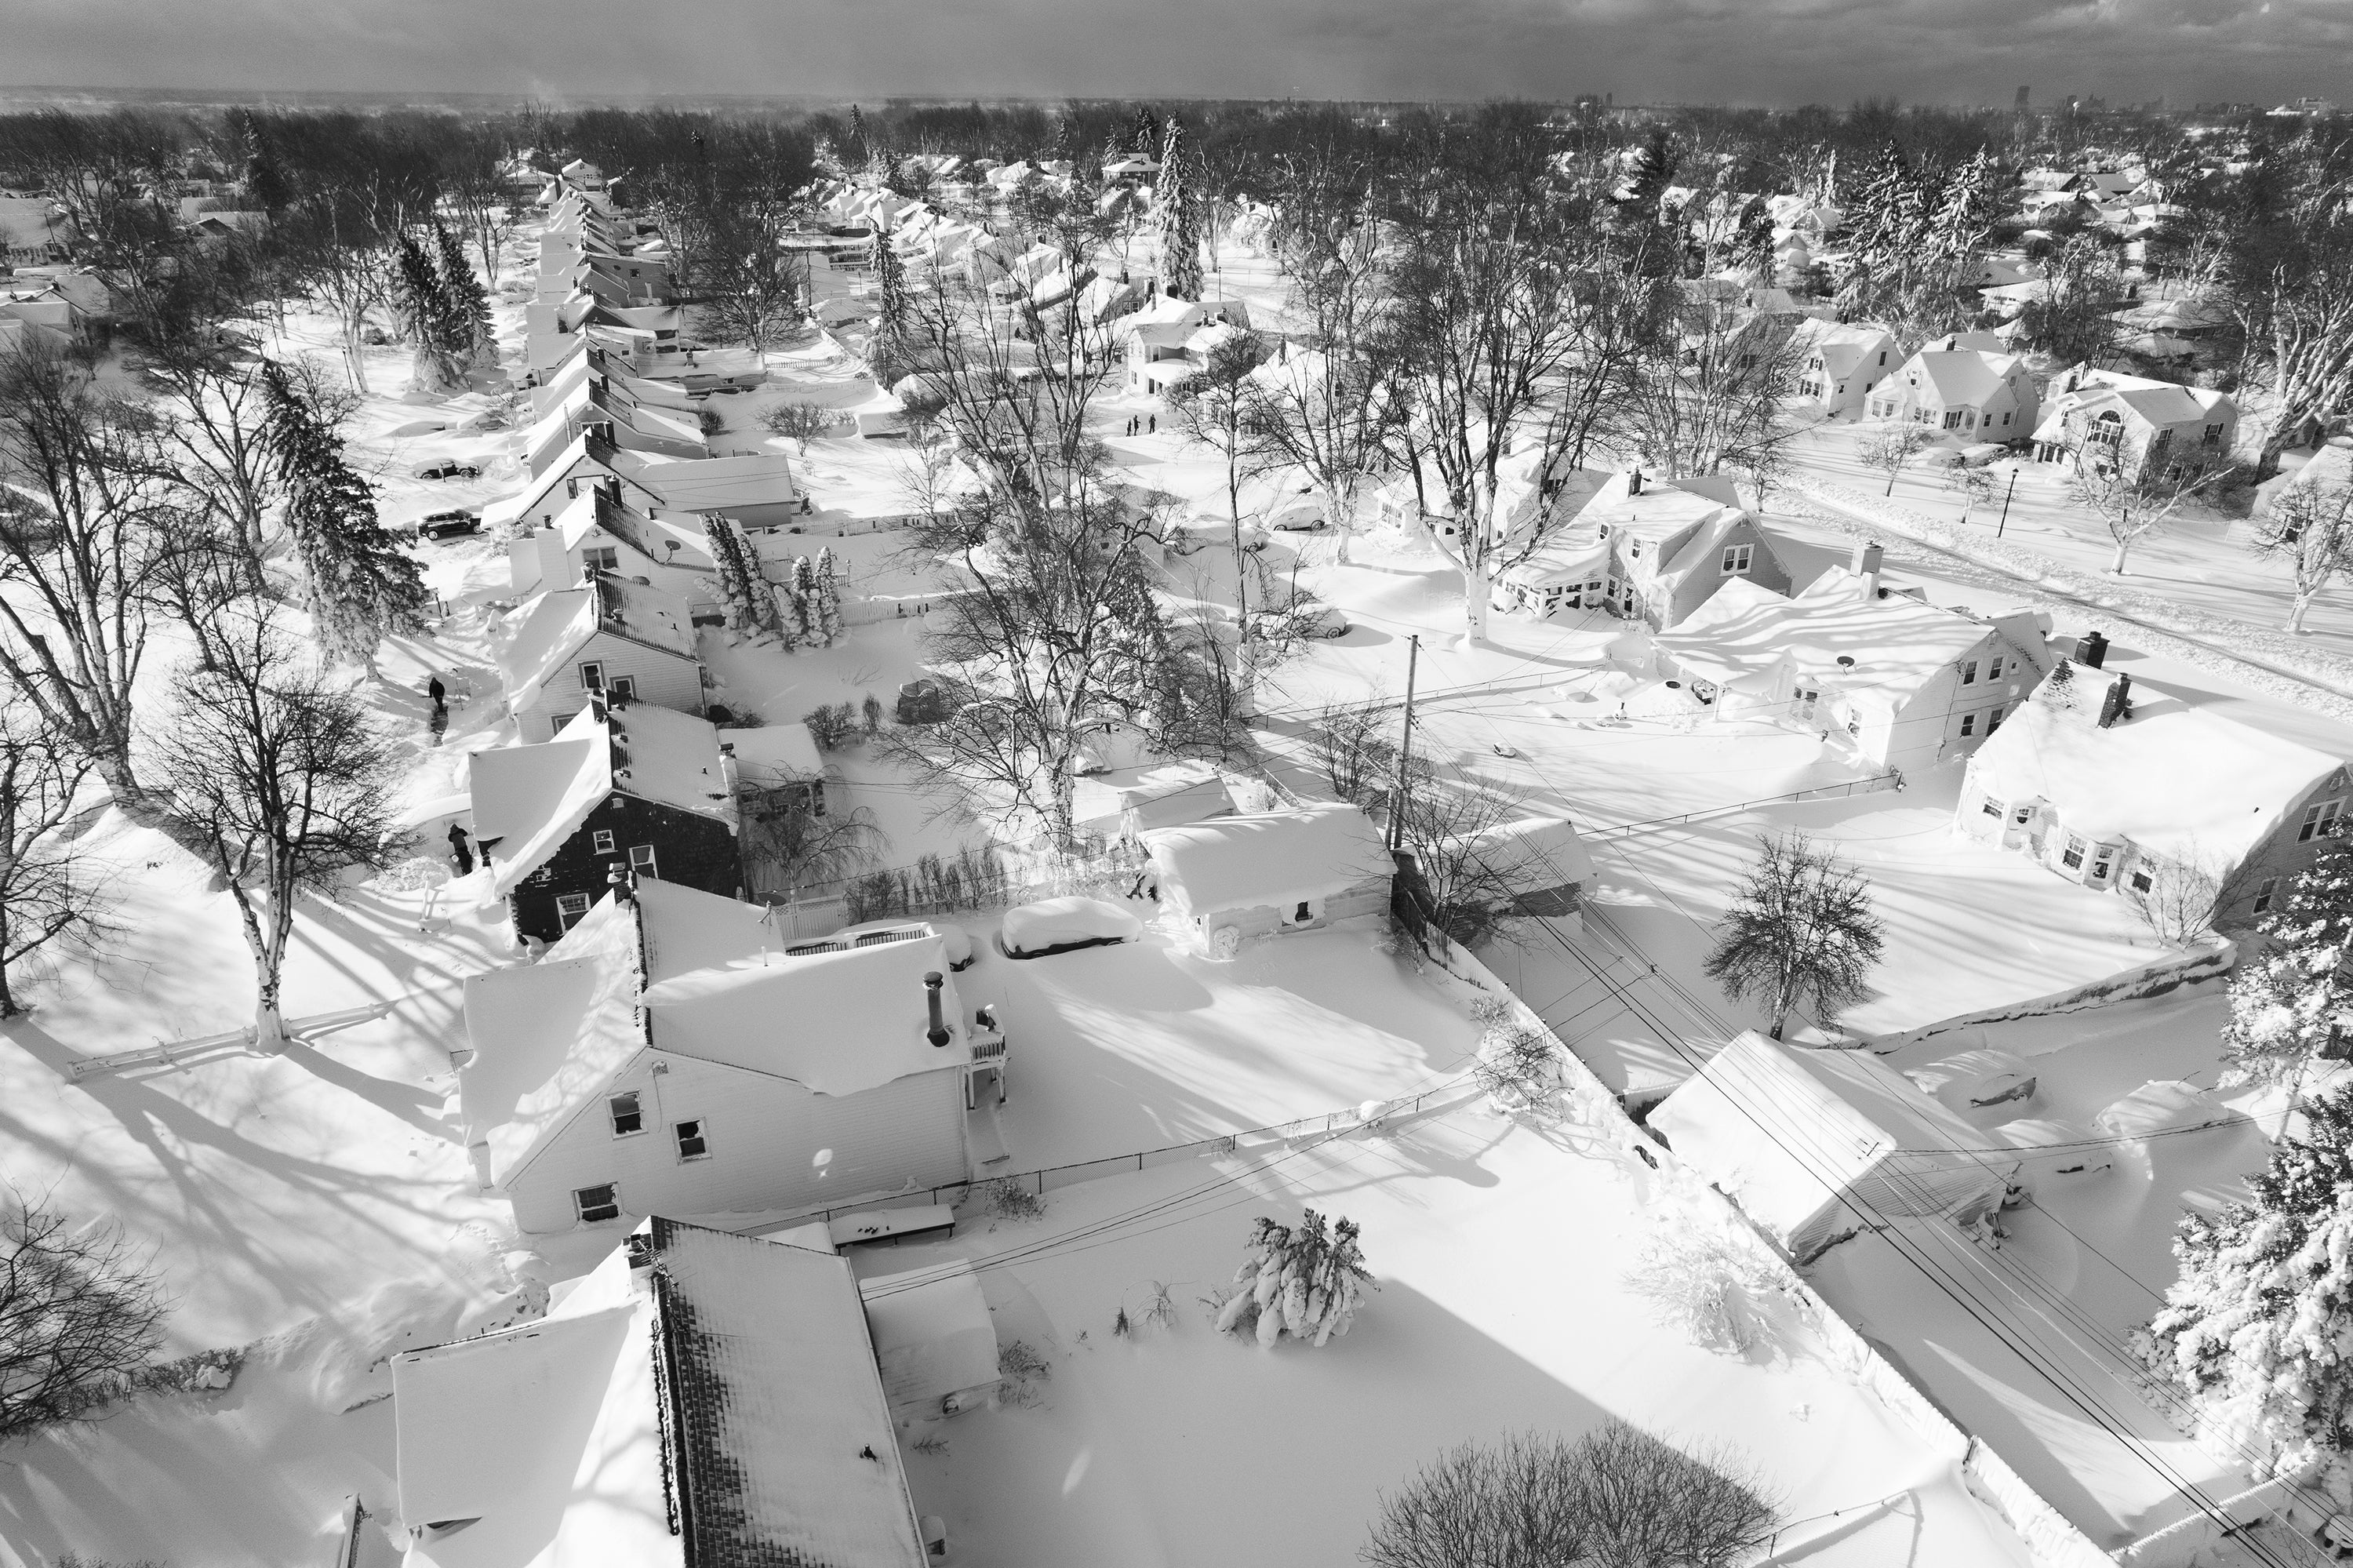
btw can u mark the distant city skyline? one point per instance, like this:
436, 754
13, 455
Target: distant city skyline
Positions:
1771, 52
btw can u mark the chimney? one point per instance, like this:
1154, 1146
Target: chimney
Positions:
2116, 704
1866, 559
938, 1033
2092, 649
1634, 482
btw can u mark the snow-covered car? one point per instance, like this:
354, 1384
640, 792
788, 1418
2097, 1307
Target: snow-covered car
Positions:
448, 468
448, 524
1322, 620
1061, 925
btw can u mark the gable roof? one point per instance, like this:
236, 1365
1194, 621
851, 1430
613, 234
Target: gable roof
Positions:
534, 798
556, 624
1269, 857
710, 484
1963, 378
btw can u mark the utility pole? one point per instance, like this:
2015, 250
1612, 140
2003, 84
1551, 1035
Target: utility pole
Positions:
2006, 495
1405, 745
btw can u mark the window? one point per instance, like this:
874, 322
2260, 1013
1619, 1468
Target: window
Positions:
641, 859
1993, 668
597, 1203
1993, 720
1990, 807
2213, 437
2263, 894
601, 841
1883, 356
627, 1117
569, 907
2104, 861
2319, 820
1737, 558
1952, 418
2005, 418
1302, 915
692, 1143
622, 688
592, 677
1968, 724
601, 558
2142, 882
2072, 857
1969, 672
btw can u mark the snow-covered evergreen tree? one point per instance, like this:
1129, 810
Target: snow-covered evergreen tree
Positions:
827, 588
2257, 1331
749, 607
358, 583
1305, 1282
467, 305
1963, 216
436, 336
886, 349
803, 595
1177, 213
2287, 1002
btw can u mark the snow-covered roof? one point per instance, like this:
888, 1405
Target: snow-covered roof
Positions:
1271, 857
556, 623
684, 928
1563, 559
1964, 377
1896, 643
835, 1023
1535, 853
508, 511
1664, 507
2176, 779
776, 753
1160, 795
711, 485
1792, 1134
932, 1333
533, 797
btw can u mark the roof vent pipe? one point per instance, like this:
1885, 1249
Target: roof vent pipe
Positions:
938, 1034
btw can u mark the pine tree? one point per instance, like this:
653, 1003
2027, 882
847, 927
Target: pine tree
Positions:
1145, 136
1964, 217
436, 337
1298, 1280
467, 303
1176, 210
750, 607
2255, 1327
858, 148
827, 586
886, 350
803, 600
359, 584
265, 178
2286, 1003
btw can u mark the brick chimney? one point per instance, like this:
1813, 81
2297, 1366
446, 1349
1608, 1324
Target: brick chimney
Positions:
938, 1034
2116, 704
2092, 649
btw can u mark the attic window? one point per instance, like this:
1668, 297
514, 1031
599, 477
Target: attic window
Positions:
692, 1143
2320, 821
597, 1204
1993, 668
1736, 558
592, 677
628, 1118
601, 558
1969, 672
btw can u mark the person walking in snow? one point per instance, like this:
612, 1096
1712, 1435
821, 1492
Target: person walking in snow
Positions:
1155, 425
462, 854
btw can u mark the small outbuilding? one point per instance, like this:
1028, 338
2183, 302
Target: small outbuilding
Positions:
1296, 870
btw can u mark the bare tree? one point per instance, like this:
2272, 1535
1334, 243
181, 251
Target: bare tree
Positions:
1212, 408
1617, 1496
48, 892
788, 845
1712, 397
2295, 306
287, 782
1801, 923
1352, 745
1888, 446
1975, 486
1474, 876
79, 1311
2186, 894
2133, 502
750, 287
2311, 525
798, 423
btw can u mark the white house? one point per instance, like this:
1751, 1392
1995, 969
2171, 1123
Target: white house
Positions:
1815, 1146
2107, 420
1973, 394
698, 1398
609, 638
1231, 877
606, 1081
2108, 785
1837, 365
1169, 339
1911, 684
1673, 544
594, 533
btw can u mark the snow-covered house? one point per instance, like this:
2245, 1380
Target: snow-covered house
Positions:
1170, 339
625, 423
610, 638
1673, 542
1910, 683
697, 1399
1543, 860
754, 489
640, 792
1975, 394
2107, 786
2108, 419
1837, 366
668, 1055
1815, 1146
1231, 877
594, 533
1563, 572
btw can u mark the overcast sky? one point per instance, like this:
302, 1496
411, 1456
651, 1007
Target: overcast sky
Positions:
1747, 51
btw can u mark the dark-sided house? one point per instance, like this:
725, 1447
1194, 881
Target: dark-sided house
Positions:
634, 790
611, 637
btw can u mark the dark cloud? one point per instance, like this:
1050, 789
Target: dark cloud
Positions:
1754, 51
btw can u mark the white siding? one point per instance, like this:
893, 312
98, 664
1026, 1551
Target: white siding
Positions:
666, 680
766, 1136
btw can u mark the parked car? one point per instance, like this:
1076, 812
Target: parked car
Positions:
448, 468
448, 524
1061, 925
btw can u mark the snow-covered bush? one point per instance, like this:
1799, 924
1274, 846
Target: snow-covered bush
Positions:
1719, 1292
2285, 1002
1517, 1068
832, 726
1008, 1199
1305, 1282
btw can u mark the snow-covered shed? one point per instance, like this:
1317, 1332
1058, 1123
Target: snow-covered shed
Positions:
626, 1074
1543, 860
933, 1339
1814, 1145
2108, 785
610, 638
1232, 877
1911, 684
1123, 802
700, 1398
646, 790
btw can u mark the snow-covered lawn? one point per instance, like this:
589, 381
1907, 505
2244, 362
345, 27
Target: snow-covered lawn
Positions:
1501, 1254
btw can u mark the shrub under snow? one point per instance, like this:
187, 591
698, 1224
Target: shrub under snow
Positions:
1304, 1282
